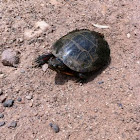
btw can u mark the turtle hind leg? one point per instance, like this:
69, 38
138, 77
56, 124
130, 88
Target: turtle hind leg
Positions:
42, 59
82, 77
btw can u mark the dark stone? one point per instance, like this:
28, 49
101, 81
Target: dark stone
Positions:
1, 115
8, 103
2, 124
13, 124
1, 92
100, 82
19, 99
54, 127
120, 105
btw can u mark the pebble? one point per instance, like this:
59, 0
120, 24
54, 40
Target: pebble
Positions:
1, 115
22, 71
8, 103
42, 25
2, 75
2, 124
100, 82
3, 99
13, 124
138, 62
19, 99
29, 97
31, 104
95, 110
128, 35
1, 92
54, 127
10, 57
45, 67
120, 105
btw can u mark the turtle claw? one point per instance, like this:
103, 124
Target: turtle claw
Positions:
36, 63
39, 61
42, 59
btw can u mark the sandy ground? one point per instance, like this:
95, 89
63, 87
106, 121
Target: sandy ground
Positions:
107, 107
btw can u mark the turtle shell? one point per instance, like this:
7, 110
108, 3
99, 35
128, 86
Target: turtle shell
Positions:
82, 50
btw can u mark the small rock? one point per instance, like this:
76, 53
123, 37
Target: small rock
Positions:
120, 105
128, 35
13, 124
42, 25
39, 27
1, 115
45, 67
54, 127
1, 92
22, 71
100, 82
96, 110
54, 2
3, 99
138, 62
29, 97
20, 40
8, 103
2, 124
31, 104
19, 99
10, 58
2, 76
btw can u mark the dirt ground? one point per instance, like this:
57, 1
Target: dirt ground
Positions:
107, 107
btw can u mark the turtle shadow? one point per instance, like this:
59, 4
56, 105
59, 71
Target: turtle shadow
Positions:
61, 79
93, 75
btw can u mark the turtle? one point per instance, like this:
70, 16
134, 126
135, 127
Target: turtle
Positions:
77, 53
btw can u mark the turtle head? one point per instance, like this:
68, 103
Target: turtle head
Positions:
56, 64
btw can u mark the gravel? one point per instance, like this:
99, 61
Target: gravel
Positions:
1, 115
22, 71
2, 123
120, 105
54, 127
100, 82
13, 124
29, 97
1, 92
8, 103
3, 99
19, 99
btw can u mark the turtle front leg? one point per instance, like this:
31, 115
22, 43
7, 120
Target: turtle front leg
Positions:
42, 59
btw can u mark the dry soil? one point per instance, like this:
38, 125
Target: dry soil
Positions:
107, 107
